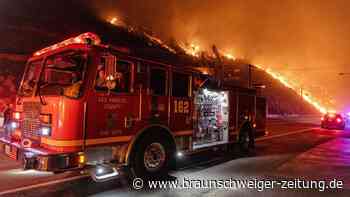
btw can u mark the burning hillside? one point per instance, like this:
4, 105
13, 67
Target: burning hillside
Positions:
144, 43
305, 42
229, 60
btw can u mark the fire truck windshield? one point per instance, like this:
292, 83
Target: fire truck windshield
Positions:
61, 74
30, 78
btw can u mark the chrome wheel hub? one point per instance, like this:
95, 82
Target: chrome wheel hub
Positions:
154, 157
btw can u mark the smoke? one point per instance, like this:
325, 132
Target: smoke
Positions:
307, 41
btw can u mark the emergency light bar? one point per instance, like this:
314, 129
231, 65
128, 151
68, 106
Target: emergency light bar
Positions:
85, 38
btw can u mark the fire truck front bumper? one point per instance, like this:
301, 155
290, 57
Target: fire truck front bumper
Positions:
35, 158
53, 163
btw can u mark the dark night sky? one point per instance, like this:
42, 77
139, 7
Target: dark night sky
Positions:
305, 40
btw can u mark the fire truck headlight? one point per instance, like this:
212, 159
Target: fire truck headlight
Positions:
14, 125
45, 131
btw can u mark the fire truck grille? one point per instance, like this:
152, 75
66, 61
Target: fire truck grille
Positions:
31, 119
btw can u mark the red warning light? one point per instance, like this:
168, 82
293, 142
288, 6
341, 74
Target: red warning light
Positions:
85, 38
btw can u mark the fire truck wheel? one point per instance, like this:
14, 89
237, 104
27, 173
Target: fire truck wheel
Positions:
152, 157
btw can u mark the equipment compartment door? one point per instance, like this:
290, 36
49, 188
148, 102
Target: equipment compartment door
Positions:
212, 117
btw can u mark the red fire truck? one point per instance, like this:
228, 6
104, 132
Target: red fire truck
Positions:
83, 103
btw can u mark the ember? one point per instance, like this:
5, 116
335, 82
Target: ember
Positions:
191, 49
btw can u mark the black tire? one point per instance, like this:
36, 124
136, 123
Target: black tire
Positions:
138, 165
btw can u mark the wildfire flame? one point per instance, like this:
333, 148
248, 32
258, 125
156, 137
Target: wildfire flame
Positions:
195, 51
117, 22
113, 20
304, 94
191, 49
229, 56
280, 78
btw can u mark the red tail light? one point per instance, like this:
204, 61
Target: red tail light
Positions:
322, 118
339, 120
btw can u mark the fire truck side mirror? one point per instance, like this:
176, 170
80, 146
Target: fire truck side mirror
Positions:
111, 70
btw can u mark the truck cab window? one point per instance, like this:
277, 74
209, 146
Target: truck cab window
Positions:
63, 73
158, 82
122, 77
141, 75
101, 77
181, 84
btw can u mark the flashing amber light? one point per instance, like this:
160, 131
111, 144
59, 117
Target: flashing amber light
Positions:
17, 115
85, 38
81, 159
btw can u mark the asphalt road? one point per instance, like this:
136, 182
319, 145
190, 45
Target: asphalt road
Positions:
290, 152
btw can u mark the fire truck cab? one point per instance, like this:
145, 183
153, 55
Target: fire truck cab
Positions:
82, 103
